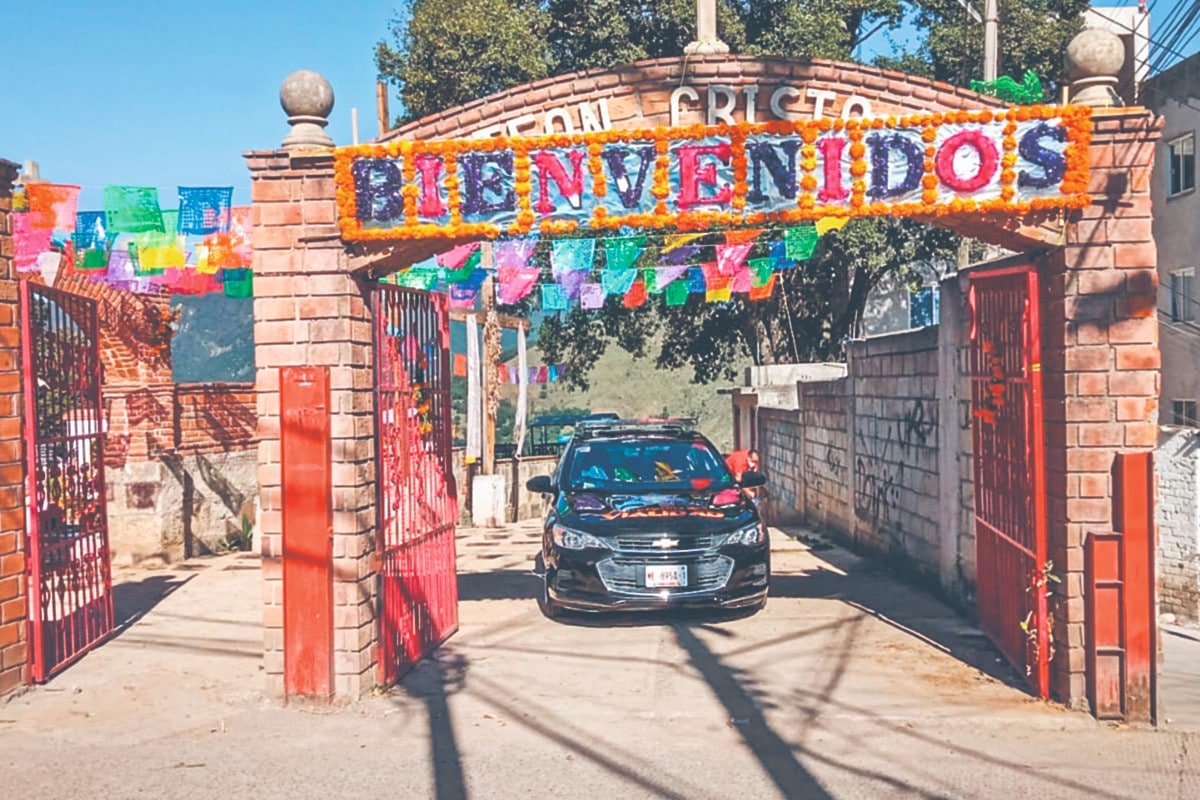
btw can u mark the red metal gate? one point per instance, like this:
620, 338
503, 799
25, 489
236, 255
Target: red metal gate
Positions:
1010, 486
68, 566
417, 501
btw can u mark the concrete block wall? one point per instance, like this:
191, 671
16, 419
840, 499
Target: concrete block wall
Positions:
13, 648
859, 456
895, 416
1177, 466
780, 449
826, 464
528, 505
956, 463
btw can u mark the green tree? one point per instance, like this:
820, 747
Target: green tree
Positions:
449, 52
814, 28
1033, 36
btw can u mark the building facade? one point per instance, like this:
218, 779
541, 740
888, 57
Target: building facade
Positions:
1175, 95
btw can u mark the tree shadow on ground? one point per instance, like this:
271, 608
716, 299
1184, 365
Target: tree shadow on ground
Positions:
858, 582
133, 599
865, 585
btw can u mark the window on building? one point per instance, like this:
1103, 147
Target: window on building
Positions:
1183, 298
1181, 162
1184, 412
923, 307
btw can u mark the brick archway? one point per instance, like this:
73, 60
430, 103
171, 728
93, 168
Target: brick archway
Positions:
1100, 346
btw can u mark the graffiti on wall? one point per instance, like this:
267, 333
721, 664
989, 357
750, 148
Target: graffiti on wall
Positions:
883, 449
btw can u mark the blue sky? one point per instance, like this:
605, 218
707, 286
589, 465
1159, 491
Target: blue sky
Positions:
170, 93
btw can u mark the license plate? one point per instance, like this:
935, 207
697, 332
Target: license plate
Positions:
661, 577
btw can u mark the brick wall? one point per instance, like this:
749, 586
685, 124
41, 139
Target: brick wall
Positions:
1177, 466
1100, 364
638, 95
310, 309
135, 337
12, 472
215, 417
181, 468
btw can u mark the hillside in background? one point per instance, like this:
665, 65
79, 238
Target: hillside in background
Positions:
636, 388
214, 340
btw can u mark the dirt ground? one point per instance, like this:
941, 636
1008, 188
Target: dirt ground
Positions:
848, 685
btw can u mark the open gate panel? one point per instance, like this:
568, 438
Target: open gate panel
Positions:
417, 501
1009, 468
68, 566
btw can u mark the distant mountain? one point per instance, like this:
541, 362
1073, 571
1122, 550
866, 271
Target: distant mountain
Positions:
215, 339
215, 342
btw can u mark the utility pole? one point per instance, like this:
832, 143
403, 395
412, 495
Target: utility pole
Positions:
991, 40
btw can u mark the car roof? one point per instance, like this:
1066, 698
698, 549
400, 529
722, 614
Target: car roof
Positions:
680, 429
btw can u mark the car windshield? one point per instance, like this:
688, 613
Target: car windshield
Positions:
650, 463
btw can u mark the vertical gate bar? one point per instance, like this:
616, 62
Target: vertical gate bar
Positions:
1040, 501
33, 539
376, 310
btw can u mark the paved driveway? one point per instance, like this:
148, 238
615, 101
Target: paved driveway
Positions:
848, 685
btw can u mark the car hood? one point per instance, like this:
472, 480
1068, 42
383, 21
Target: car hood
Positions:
696, 512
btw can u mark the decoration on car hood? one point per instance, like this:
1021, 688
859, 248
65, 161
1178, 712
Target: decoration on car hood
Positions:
588, 502
651, 505
727, 497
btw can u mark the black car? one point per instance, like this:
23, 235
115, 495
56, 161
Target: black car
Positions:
646, 515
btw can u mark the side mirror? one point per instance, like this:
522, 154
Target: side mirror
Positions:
540, 484
752, 479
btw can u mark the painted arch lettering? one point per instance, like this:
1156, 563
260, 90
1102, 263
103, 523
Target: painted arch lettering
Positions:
687, 178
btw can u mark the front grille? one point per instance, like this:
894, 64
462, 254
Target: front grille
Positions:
644, 543
628, 576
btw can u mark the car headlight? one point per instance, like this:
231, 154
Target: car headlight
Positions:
749, 535
575, 540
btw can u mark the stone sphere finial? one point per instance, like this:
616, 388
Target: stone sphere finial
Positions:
1094, 60
307, 98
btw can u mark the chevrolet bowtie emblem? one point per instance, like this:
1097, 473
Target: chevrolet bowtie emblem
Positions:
664, 543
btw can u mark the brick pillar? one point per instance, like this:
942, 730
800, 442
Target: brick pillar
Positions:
309, 310
13, 655
1100, 365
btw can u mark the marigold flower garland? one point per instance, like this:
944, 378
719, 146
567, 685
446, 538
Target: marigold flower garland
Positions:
1073, 184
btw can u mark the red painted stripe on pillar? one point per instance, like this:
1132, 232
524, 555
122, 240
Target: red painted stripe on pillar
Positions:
306, 462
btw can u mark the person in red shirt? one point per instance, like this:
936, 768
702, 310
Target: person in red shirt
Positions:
739, 461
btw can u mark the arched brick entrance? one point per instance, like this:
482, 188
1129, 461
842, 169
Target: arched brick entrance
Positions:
1097, 268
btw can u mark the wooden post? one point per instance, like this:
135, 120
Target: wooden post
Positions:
489, 358
381, 107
